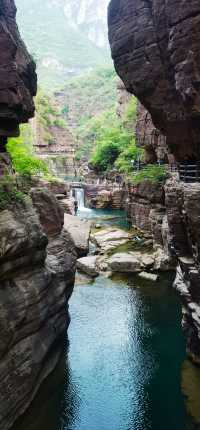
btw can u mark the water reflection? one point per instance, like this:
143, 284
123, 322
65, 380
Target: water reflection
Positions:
126, 352
125, 355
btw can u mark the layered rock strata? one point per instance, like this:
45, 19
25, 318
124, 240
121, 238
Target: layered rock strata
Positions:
149, 137
145, 206
17, 74
156, 50
156, 54
37, 269
183, 209
56, 146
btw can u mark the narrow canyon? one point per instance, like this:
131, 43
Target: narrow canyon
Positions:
100, 215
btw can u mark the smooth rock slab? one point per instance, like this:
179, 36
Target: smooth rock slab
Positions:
80, 233
125, 263
88, 265
110, 238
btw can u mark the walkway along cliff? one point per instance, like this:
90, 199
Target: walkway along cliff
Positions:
156, 51
37, 256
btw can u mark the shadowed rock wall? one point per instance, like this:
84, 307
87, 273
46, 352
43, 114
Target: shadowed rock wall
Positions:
17, 74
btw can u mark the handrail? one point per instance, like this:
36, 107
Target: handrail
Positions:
189, 171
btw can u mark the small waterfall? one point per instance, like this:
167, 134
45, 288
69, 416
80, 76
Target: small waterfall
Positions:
80, 197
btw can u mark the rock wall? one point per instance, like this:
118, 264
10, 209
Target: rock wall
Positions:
104, 196
146, 134
123, 98
183, 209
149, 137
17, 74
37, 267
144, 203
156, 50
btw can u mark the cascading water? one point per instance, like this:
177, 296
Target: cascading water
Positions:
80, 197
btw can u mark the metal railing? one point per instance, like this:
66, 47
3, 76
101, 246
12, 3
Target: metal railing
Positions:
189, 172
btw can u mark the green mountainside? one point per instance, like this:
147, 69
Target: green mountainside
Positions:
61, 48
84, 97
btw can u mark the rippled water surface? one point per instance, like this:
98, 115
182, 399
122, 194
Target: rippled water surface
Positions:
124, 362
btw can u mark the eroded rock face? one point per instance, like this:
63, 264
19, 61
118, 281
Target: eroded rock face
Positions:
36, 280
150, 138
183, 208
147, 136
142, 199
17, 74
155, 47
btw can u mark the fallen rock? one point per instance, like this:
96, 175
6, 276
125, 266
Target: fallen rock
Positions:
88, 265
80, 233
149, 276
124, 263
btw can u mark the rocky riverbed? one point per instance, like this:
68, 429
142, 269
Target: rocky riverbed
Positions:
117, 250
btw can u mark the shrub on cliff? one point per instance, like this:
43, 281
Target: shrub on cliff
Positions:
124, 161
9, 193
152, 173
23, 159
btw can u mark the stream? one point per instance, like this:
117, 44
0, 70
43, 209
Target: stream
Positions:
123, 367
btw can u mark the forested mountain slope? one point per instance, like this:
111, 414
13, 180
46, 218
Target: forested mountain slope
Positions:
65, 37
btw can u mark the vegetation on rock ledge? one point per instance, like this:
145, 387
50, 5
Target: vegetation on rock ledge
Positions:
22, 154
152, 173
9, 193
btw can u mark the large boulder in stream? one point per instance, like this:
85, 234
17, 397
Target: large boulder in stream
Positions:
133, 262
125, 263
88, 265
80, 233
